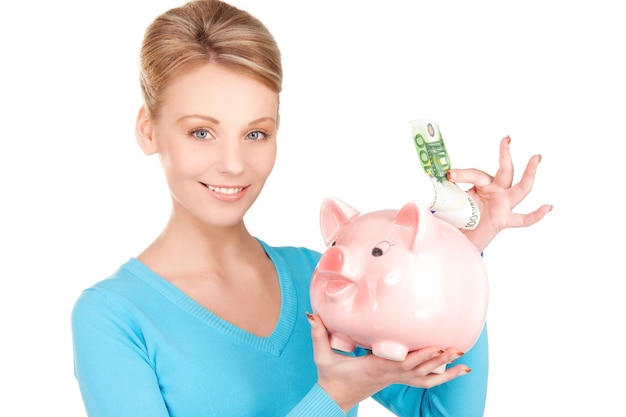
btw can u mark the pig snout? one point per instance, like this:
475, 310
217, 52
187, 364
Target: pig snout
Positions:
337, 261
333, 266
332, 260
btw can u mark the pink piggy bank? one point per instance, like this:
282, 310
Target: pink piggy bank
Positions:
395, 281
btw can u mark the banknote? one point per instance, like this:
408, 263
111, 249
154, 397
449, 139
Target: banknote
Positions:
448, 201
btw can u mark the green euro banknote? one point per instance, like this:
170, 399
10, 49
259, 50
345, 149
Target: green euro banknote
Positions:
449, 201
431, 149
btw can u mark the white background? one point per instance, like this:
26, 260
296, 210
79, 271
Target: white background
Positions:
79, 197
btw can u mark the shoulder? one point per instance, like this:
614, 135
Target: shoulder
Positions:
298, 253
295, 259
113, 294
129, 275
292, 253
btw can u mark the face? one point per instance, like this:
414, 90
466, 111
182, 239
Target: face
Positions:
216, 139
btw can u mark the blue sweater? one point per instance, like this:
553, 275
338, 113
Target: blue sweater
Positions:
144, 348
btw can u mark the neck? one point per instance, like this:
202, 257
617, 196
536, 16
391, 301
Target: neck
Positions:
186, 244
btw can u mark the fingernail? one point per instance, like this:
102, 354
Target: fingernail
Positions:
438, 353
540, 157
468, 370
449, 176
311, 318
508, 138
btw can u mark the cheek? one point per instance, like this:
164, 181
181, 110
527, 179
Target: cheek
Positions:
263, 161
183, 162
270, 162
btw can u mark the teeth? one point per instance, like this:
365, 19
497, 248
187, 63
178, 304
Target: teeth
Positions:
223, 190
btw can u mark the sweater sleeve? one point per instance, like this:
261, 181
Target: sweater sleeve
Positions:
317, 403
111, 363
463, 396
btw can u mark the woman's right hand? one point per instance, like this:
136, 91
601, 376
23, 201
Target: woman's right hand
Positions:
348, 380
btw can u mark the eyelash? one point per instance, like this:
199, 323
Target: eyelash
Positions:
195, 131
264, 133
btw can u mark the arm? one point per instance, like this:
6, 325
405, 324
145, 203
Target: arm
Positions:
111, 363
497, 196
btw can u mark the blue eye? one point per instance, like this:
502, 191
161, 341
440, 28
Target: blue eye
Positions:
256, 135
201, 134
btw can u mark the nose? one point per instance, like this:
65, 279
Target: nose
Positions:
232, 157
339, 262
332, 260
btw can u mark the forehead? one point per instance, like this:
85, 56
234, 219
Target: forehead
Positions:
215, 89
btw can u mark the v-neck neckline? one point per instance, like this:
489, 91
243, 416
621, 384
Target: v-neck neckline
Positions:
274, 343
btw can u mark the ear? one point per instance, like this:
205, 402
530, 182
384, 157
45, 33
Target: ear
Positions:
334, 214
144, 131
411, 217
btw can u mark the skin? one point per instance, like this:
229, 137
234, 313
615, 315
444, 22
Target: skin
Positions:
497, 196
216, 139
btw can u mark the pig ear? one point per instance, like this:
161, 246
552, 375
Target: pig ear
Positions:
334, 214
410, 217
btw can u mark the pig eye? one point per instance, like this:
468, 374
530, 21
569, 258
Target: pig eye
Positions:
381, 248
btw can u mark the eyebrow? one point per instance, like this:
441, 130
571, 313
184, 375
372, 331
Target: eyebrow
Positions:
213, 120
199, 116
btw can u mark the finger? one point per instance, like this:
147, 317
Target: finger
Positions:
428, 360
457, 370
504, 175
525, 185
319, 335
528, 178
421, 356
470, 176
524, 220
435, 379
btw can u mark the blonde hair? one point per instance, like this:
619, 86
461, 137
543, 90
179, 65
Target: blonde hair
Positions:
200, 32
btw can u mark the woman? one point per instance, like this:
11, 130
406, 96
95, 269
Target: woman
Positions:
211, 321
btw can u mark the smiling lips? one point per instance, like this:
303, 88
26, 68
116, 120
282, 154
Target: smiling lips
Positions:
224, 190
226, 193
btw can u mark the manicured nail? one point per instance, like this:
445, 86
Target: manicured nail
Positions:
438, 353
468, 370
450, 176
457, 356
311, 318
508, 138
540, 157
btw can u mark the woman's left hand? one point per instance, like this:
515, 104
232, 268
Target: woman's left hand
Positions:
496, 196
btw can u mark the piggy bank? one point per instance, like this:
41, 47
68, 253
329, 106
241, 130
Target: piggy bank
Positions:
395, 281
